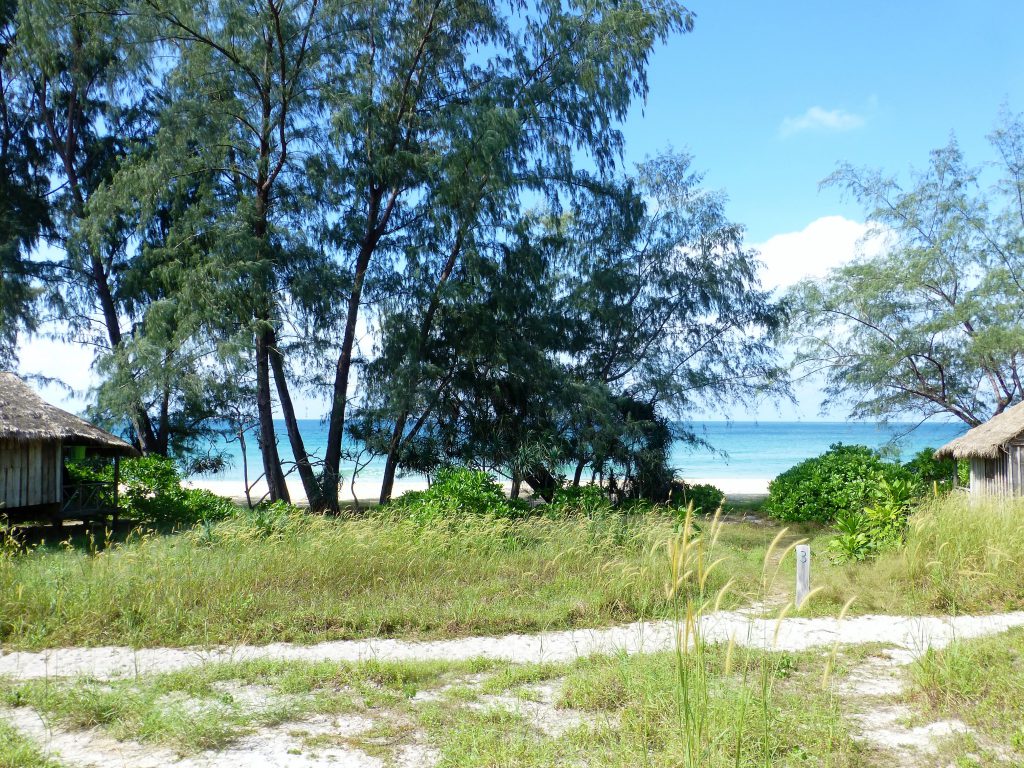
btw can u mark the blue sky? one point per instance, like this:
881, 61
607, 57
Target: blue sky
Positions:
770, 97
888, 81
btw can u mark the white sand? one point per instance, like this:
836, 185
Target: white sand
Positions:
368, 489
273, 747
735, 486
913, 633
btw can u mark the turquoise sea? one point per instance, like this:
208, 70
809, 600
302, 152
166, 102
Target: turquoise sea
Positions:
741, 449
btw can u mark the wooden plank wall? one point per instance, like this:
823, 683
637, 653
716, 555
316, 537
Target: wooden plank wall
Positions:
30, 473
1009, 474
1015, 469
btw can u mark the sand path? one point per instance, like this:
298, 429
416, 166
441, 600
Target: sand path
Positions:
912, 633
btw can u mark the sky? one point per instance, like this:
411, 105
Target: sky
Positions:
769, 98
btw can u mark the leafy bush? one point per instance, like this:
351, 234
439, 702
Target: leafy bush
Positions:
842, 481
585, 500
930, 471
151, 492
704, 497
879, 527
201, 505
458, 491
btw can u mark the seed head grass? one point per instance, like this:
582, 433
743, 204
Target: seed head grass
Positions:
312, 578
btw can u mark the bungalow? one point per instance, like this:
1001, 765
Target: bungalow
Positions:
995, 450
35, 440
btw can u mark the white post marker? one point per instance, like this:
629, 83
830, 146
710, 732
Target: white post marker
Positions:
803, 573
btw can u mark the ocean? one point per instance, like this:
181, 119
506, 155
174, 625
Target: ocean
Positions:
741, 449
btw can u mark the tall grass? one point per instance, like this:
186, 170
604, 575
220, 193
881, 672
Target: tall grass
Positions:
961, 555
968, 554
725, 700
302, 578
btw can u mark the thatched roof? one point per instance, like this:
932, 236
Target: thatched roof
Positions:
988, 440
25, 416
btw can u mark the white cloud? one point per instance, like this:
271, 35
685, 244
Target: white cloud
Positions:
824, 244
821, 119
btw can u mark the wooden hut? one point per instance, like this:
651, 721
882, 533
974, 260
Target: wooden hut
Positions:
995, 450
35, 438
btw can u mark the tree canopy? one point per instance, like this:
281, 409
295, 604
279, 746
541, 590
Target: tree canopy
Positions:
415, 211
933, 323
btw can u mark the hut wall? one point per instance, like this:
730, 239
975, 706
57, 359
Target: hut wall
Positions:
30, 473
1003, 476
1015, 468
986, 476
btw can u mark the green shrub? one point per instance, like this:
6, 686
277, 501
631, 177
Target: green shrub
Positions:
459, 491
879, 527
842, 481
705, 498
585, 500
201, 505
151, 492
931, 472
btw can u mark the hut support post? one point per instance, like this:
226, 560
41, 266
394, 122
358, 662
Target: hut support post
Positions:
117, 485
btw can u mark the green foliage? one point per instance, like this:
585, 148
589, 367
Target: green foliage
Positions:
583, 344
24, 214
879, 527
931, 472
932, 323
841, 482
704, 497
457, 492
151, 492
586, 500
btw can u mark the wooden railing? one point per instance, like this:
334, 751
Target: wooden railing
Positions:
87, 499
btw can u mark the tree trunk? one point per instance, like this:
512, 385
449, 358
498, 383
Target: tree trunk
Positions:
579, 474
542, 481
264, 407
387, 485
302, 463
336, 428
142, 425
336, 423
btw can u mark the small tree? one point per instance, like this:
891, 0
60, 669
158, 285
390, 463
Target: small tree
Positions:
934, 323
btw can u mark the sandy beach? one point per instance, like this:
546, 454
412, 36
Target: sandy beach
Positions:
368, 490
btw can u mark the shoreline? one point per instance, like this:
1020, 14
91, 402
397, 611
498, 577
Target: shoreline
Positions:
367, 491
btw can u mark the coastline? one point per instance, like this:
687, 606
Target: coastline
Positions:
367, 491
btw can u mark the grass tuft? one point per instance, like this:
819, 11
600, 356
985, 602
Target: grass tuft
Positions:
16, 751
979, 681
